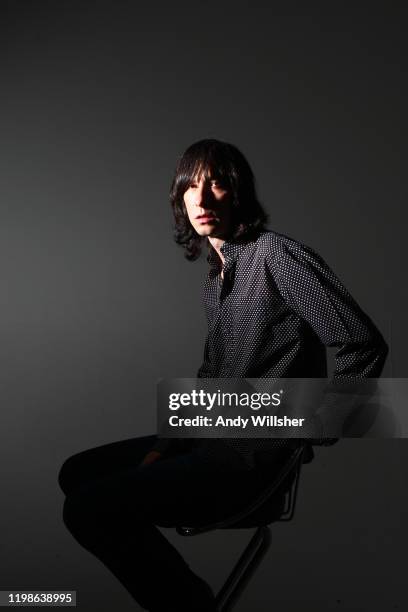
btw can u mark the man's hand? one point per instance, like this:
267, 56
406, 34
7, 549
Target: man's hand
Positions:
151, 457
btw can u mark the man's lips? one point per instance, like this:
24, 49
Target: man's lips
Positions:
206, 218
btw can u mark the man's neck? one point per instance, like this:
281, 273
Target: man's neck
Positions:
216, 244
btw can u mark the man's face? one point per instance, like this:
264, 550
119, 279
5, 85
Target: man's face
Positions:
208, 204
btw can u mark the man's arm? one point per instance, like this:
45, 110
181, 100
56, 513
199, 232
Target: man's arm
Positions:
315, 293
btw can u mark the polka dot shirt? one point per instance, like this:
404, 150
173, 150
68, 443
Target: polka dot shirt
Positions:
273, 314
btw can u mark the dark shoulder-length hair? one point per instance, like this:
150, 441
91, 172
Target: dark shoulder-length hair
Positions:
227, 163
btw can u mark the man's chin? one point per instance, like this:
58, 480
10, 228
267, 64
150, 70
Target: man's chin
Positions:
211, 231
206, 230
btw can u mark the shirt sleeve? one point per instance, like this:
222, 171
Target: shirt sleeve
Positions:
315, 293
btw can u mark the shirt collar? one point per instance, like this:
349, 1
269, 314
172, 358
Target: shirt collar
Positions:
230, 250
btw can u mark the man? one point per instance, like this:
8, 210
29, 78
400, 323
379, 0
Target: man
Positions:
273, 306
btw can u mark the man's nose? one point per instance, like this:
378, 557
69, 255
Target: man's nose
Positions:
203, 195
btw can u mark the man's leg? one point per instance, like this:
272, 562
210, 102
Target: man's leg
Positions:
109, 509
114, 516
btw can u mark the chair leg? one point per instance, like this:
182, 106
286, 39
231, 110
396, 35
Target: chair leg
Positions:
244, 569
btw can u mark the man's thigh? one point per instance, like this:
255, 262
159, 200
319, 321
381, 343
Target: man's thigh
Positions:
175, 490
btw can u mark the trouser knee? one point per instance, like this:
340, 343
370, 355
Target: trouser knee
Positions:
66, 476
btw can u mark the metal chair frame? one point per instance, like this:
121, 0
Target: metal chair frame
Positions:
260, 541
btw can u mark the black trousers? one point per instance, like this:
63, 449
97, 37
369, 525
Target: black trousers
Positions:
113, 507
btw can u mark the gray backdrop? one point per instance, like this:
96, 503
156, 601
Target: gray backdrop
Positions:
98, 99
